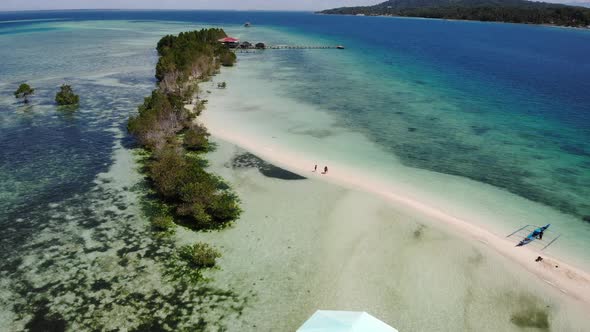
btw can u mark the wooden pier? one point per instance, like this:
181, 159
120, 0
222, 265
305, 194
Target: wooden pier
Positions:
298, 47
290, 47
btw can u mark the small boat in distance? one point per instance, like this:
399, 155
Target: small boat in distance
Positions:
340, 47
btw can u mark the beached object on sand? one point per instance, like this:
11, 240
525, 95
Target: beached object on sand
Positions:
538, 234
534, 235
344, 321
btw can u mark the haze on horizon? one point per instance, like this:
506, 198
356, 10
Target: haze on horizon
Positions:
16, 5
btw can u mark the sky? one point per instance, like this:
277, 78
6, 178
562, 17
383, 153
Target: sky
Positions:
9, 5
6, 5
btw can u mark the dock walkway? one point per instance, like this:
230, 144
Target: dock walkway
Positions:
291, 47
298, 47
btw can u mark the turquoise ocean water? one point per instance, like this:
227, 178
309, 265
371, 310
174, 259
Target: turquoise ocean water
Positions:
503, 104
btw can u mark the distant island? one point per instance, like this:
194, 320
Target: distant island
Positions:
513, 11
578, 3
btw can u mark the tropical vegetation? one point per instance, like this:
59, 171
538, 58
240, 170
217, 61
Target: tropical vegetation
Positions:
166, 128
514, 11
162, 223
200, 255
66, 96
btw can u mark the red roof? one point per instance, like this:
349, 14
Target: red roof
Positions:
229, 40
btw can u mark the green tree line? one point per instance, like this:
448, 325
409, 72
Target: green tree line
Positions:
513, 11
164, 127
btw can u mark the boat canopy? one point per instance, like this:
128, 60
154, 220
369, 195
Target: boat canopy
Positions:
344, 321
229, 40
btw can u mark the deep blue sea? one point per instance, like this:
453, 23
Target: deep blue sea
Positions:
503, 104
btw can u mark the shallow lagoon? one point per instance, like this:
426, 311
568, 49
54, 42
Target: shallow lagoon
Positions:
77, 250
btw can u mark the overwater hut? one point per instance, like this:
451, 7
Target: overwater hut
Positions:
246, 45
230, 42
260, 46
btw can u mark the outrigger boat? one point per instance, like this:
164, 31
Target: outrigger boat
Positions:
530, 233
534, 235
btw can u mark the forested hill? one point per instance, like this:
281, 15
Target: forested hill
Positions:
515, 11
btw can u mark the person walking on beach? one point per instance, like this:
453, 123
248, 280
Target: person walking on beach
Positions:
315, 168
325, 170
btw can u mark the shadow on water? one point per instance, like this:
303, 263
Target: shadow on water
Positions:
419, 232
530, 314
44, 321
248, 160
316, 133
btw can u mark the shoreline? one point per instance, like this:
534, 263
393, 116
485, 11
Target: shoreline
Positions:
567, 279
583, 28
